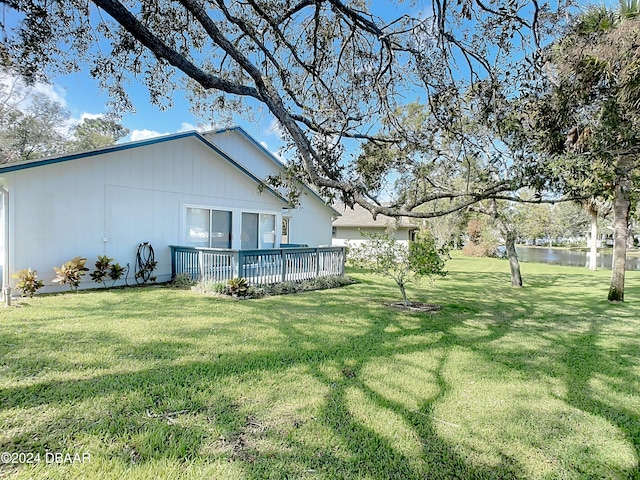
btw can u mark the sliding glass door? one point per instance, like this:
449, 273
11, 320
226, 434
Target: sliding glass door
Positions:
258, 231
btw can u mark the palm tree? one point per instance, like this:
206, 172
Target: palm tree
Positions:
599, 90
595, 206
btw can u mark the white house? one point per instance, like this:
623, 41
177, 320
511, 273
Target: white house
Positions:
189, 189
354, 221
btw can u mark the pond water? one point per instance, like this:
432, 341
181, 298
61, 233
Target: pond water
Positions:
573, 258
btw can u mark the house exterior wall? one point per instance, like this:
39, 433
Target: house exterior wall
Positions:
310, 221
353, 236
107, 204
245, 151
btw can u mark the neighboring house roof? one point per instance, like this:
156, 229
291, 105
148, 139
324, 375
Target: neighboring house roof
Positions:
272, 157
12, 167
360, 217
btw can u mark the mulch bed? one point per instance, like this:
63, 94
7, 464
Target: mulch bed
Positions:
415, 306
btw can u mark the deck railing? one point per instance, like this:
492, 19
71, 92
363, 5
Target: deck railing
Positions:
259, 267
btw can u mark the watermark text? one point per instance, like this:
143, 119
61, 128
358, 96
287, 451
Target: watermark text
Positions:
59, 458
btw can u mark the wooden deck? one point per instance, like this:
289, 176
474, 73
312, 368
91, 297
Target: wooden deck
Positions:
259, 267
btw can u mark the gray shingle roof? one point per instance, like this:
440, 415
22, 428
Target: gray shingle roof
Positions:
360, 217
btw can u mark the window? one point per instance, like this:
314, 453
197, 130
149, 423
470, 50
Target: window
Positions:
285, 230
249, 231
208, 228
267, 231
258, 231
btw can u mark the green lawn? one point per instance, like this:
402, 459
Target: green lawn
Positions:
540, 382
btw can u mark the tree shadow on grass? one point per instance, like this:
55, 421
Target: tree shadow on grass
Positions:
601, 381
177, 410
140, 405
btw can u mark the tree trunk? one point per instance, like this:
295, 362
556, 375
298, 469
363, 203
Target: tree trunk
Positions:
593, 241
621, 206
404, 294
514, 263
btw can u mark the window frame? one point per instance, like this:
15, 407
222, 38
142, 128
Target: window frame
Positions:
235, 240
211, 209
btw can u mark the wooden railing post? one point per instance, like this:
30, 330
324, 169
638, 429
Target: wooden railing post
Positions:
257, 266
173, 261
283, 256
235, 265
241, 266
199, 258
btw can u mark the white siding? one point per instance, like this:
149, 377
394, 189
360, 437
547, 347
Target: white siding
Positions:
125, 197
310, 223
244, 151
353, 236
311, 220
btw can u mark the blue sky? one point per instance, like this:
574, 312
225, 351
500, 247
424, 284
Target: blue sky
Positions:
82, 97
80, 94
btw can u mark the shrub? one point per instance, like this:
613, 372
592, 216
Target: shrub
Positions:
210, 287
476, 250
116, 271
102, 269
403, 263
105, 269
238, 287
282, 288
220, 288
71, 272
27, 282
182, 280
482, 241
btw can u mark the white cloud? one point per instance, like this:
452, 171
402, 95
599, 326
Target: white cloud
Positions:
276, 128
144, 134
91, 116
20, 94
201, 127
52, 92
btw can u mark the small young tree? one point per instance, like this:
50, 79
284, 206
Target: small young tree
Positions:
388, 257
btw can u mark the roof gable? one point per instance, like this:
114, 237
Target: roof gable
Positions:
18, 166
274, 165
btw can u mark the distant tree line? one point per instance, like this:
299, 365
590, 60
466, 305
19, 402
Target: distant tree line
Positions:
32, 125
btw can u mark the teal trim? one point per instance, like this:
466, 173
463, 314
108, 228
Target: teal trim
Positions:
14, 167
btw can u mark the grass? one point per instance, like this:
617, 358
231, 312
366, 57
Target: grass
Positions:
532, 383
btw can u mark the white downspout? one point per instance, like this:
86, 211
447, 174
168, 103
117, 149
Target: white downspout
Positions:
5, 264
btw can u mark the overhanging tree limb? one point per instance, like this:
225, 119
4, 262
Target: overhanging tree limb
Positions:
329, 71
141, 33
